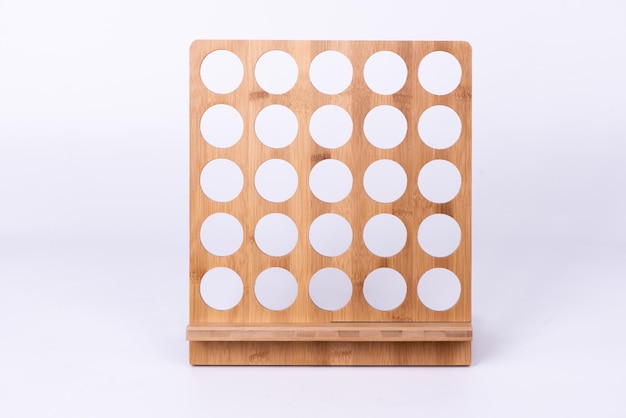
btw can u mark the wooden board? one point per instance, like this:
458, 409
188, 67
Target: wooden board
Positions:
303, 208
331, 353
371, 331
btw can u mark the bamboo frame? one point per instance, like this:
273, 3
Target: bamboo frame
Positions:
411, 334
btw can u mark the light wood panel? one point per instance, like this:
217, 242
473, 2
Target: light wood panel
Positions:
303, 207
331, 353
369, 331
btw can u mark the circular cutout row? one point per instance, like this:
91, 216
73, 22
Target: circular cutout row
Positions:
330, 289
330, 126
385, 72
384, 235
330, 180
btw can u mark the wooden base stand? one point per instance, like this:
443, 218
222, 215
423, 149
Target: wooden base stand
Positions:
354, 344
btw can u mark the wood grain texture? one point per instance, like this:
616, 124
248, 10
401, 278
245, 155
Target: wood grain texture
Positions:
373, 331
330, 353
357, 262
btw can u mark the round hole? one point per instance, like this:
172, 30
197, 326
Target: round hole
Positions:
221, 180
385, 127
385, 72
384, 289
276, 234
276, 126
276, 288
221, 71
385, 181
439, 72
276, 72
221, 288
384, 235
276, 180
330, 126
439, 289
221, 234
330, 289
439, 235
439, 181
331, 72
439, 127
330, 181
221, 126
330, 235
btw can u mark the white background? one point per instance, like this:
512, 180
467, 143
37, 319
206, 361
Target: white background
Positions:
93, 211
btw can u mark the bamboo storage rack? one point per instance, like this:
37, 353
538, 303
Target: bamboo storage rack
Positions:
302, 333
